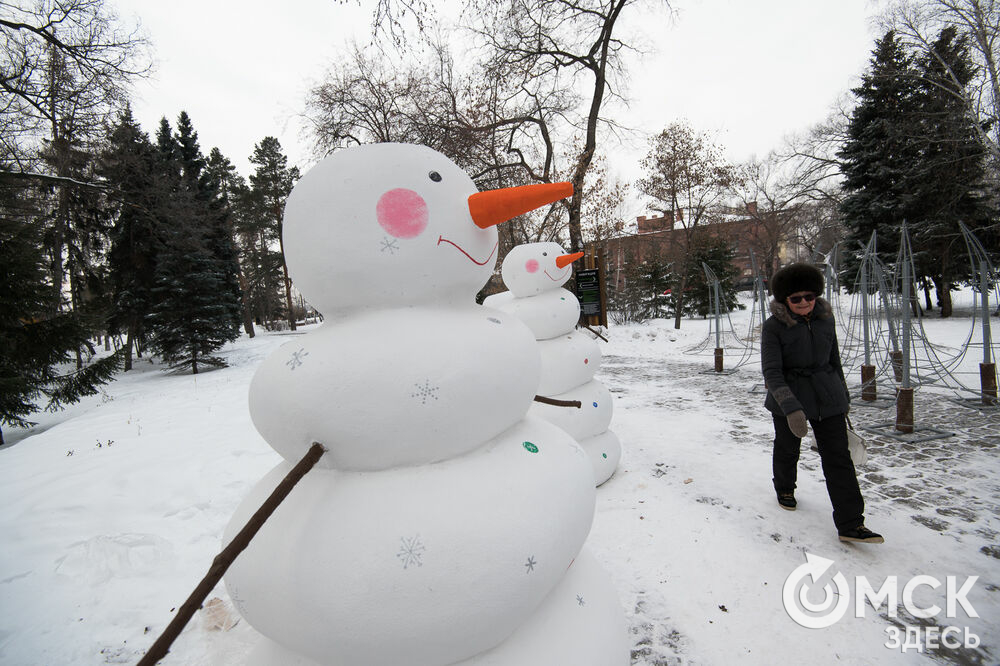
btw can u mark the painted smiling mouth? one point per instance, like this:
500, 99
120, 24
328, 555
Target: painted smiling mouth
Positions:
442, 239
552, 278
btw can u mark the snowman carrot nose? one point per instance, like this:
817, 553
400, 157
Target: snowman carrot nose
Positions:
564, 260
492, 207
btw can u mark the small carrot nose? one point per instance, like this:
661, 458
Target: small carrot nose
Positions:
564, 260
492, 207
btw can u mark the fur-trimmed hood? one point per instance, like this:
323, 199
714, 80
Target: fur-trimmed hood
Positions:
822, 310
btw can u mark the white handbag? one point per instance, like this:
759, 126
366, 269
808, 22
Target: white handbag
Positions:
856, 445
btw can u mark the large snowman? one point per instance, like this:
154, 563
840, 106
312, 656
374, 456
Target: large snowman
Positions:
534, 274
443, 525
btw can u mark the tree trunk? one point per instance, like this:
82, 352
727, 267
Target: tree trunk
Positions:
679, 302
944, 286
946, 310
598, 65
927, 296
244, 295
288, 286
245, 306
943, 292
128, 350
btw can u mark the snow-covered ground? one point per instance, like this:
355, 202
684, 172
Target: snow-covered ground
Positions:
112, 510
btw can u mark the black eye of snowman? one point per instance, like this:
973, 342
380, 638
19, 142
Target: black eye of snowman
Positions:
545, 254
435, 176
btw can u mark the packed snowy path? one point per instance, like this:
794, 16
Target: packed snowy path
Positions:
718, 546
113, 510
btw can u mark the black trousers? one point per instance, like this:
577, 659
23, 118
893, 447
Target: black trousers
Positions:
841, 479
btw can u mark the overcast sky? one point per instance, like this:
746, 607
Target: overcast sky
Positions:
751, 71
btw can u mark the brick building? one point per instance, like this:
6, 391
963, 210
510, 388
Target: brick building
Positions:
664, 237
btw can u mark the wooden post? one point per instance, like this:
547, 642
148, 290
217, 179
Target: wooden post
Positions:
602, 262
718, 359
988, 382
897, 365
904, 410
868, 393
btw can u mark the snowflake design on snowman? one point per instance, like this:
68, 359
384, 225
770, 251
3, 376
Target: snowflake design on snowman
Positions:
411, 551
297, 357
425, 391
390, 245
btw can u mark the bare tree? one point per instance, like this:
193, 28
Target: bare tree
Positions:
500, 137
541, 46
921, 21
603, 204
64, 68
772, 204
687, 179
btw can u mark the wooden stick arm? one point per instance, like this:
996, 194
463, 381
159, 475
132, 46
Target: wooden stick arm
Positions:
558, 403
224, 559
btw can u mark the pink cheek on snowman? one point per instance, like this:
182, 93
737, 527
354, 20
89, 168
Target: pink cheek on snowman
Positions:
402, 213
531, 266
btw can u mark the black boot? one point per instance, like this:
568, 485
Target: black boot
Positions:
861, 534
787, 501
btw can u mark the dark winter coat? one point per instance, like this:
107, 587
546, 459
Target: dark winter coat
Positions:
800, 359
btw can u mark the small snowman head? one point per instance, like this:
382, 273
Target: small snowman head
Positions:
388, 225
532, 268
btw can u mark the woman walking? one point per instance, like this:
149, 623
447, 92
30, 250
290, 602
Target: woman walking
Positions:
805, 384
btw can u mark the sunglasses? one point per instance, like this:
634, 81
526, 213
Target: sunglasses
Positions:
808, 298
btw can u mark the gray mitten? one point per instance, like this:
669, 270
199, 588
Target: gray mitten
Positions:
797, 423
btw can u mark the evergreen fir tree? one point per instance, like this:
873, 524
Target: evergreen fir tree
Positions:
654, 283
879, 155
196, 293
261, 258
951, 169
76, 234
130, 169
230, 185
717, 254
37, 343
271, 183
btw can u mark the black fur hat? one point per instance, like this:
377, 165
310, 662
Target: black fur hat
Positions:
796, 277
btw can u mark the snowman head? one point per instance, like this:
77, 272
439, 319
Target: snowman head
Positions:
389, 224
533, 268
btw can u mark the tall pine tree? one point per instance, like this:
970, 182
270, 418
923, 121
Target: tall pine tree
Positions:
879, 156
270, 184
951, 169
196, 291
129, 166
37, 342
222, 176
